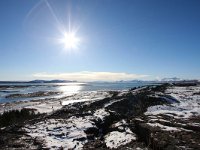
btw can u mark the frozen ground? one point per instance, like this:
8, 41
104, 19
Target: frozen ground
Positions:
142, 118
71, 133
57, 133
53, 104
188, 103
115, 139
120, 137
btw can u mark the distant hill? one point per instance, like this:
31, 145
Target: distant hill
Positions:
51, 81
137, 81
5, 82
171, 79
38, 81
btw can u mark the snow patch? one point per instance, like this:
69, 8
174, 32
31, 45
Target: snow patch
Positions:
112, 102
45, 107
115, 139
120, 123
101, 113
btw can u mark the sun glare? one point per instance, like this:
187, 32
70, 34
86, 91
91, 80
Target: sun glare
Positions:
70, 40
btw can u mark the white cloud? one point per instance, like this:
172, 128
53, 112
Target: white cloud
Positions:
90, 76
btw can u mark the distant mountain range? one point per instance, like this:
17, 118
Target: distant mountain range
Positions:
39, 81
51, 81
172, 79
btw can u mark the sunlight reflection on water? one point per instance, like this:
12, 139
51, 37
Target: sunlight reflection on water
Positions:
69, 89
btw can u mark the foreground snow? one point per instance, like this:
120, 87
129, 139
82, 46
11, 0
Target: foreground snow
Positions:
57, 133
115, 139
70, 133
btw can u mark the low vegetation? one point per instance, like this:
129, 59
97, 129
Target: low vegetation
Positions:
16, 117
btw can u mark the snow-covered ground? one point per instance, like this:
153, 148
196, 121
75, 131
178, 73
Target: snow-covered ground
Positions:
86, 96
98, 121
189, 103
115, 139
70, 133
50, 105
65, 133
57, 133
101, 113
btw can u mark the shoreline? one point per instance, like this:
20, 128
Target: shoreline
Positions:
57, 102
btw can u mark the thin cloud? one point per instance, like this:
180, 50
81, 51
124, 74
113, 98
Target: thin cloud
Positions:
90, 76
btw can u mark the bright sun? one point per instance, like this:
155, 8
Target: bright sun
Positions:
70, 40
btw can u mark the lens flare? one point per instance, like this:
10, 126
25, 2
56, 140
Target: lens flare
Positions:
70, 40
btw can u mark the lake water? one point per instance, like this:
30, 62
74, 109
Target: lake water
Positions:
65, 88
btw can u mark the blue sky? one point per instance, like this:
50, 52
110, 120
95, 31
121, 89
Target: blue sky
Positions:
131, 39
